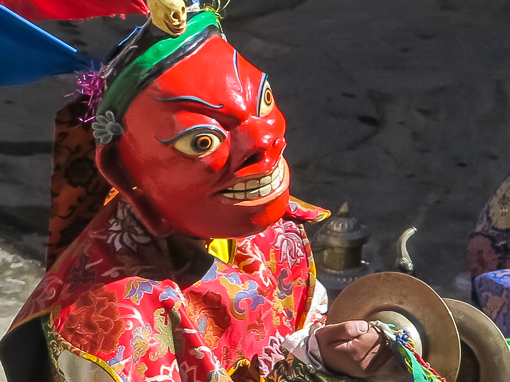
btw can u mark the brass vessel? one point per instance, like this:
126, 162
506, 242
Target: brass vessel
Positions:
338, 249
341, 241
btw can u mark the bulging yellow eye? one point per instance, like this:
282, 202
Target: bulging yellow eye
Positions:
203, 142
266, 100
199, 142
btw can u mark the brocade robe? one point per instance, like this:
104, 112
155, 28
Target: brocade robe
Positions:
103, 312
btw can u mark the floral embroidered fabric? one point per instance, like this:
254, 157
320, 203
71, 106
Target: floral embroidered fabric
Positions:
110, 299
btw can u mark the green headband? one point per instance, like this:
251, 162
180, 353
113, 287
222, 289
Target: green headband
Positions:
124, 89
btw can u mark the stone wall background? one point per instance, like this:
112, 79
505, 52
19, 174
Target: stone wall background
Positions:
399, 108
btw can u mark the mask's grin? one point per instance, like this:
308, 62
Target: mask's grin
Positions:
258, 187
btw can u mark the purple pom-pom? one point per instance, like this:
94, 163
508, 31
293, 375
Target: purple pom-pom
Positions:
91, 84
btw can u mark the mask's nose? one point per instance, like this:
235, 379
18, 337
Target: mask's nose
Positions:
259, 143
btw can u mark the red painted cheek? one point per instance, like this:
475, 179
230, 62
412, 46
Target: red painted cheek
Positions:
272, 212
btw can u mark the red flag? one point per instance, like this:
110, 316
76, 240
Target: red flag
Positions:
34, 10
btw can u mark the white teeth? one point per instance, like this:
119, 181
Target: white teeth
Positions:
252, 194
266, 180
252, 184
274, 184
276, 173
265, 190
258, 188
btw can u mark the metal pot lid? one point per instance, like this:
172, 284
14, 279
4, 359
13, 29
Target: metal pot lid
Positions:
485, 353
387, 292
342, 230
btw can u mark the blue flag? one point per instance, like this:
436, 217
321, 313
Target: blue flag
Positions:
29, 53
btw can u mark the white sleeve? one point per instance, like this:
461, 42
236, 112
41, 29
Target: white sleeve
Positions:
303, 343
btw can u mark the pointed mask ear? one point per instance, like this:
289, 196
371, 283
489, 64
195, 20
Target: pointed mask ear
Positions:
111, 167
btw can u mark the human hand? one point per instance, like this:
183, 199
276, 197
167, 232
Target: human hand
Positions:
355, 349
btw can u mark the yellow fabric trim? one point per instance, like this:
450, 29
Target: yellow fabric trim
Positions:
80, 353
219, 248
313, 270
240, 363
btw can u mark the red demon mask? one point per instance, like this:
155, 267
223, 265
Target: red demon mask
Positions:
202, 148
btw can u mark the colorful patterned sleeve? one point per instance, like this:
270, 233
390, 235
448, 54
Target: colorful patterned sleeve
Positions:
301, 346
133, 330
227, 326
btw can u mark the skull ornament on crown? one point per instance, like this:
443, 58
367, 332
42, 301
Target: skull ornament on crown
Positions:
189, 133
169, 15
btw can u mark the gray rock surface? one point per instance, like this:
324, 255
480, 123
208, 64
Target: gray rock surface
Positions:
399, 108
18, 278
250, 9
